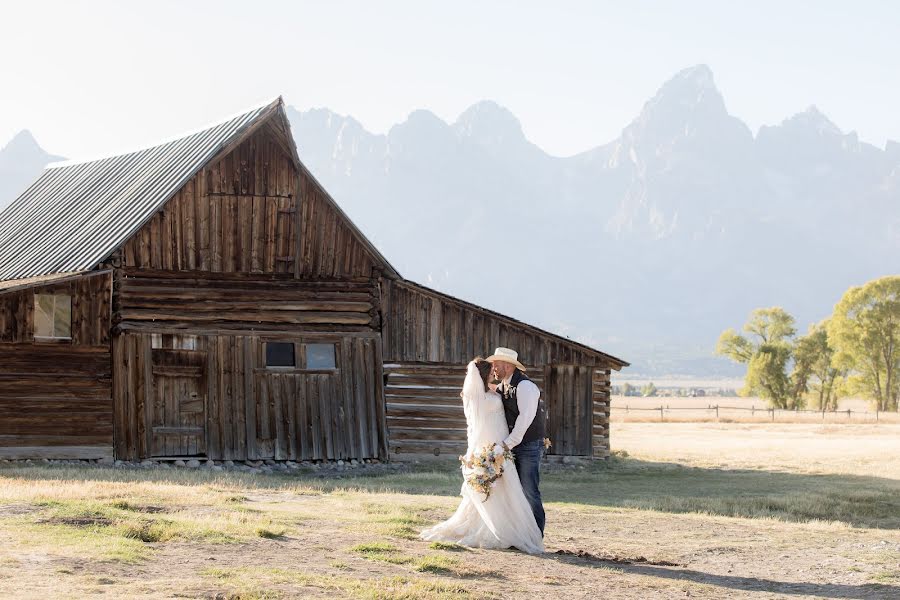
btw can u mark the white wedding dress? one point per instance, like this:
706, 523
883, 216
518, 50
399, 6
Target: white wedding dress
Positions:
505, 519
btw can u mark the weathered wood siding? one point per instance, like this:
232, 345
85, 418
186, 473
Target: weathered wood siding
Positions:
90, 310
252, 211
422, 325
55, 397
249, 411
568, 396
429, 338
250, 249
214, 301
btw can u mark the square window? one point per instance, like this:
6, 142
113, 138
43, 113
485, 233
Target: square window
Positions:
320, 356
53, 316
280, 354
43, 315
62, 317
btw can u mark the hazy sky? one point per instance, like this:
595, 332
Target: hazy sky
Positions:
95, 77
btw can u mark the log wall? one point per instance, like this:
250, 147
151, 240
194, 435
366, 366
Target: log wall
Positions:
249, 411
600, 426
55, 397
424, 409
211, 301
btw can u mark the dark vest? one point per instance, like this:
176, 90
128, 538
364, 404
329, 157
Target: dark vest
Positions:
535, 431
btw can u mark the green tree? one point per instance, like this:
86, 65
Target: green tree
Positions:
628, 390
816, 375
865, 331
648, 390
766, 352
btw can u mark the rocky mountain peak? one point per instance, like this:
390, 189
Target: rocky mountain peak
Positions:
813, 119
25, 147
489, 123
690, 91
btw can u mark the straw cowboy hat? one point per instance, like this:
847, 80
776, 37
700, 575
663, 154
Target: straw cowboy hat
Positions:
506, 355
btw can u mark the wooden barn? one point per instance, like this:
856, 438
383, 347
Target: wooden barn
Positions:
206, 297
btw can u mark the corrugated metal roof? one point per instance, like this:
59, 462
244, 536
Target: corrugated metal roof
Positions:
78, 212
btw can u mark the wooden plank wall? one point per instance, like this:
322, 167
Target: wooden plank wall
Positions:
241, 214
600, 427
323, 415
55, 396
155, 300
90, 310
428, 340
569, 399
329, 248
426, 326
256, 413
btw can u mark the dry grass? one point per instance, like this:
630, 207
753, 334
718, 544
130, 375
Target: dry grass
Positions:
741, 510
860, 450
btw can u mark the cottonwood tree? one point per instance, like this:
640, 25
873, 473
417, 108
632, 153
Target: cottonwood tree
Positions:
865, 331
816, 374
766, 351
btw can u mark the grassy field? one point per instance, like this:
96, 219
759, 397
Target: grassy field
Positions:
683, 510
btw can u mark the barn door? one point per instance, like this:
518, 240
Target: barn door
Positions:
178, 403
569, 395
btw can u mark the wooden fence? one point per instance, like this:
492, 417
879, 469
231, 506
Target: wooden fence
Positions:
718, 412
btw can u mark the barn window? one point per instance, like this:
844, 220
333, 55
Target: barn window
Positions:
280, 354
53, 316
320, 356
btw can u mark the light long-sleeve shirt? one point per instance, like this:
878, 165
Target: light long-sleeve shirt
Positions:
527, 397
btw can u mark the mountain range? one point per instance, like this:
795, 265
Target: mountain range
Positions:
646, 247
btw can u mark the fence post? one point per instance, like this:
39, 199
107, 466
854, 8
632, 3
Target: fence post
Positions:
876, 414
848, 414
717, 412
773, 414
661, 417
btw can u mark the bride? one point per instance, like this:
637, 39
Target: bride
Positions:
505, 519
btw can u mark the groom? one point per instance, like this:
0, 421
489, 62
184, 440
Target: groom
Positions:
525, 416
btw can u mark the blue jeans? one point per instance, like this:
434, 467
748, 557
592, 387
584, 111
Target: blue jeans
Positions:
528, 464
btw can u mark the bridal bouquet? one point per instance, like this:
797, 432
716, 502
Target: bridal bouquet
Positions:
483, 467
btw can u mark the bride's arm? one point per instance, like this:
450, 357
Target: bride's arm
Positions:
473, 391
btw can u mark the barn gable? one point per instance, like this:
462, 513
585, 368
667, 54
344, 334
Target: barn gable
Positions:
78, 214
253, 210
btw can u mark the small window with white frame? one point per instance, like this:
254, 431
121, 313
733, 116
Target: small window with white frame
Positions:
53, 316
